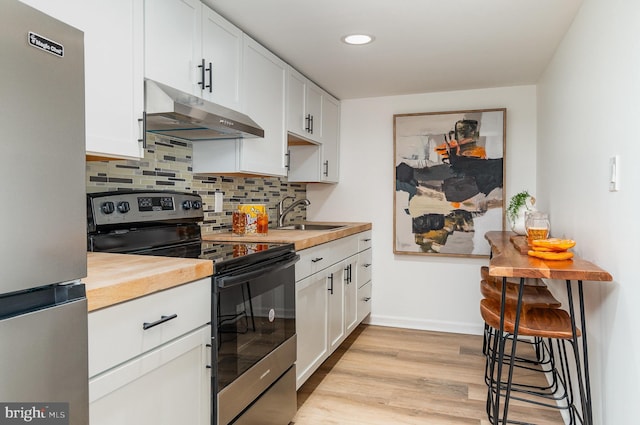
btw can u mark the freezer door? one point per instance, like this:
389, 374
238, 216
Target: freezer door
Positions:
43, 359
43, 212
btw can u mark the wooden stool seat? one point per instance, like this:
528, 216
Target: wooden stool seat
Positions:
532, 297
484, 274
535, 322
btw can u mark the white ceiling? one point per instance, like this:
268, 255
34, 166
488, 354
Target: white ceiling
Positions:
420, 45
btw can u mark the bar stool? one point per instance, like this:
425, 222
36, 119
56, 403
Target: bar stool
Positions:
536, 295
540, 321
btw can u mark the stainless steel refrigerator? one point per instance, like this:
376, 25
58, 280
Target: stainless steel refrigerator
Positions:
43, 309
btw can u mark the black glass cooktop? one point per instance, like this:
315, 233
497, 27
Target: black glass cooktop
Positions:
214, 251
183, 241
226, 256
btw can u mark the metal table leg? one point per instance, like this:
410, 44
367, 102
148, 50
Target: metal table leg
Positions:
516, 325
584, 383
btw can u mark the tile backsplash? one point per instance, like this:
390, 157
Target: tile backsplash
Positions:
167, 166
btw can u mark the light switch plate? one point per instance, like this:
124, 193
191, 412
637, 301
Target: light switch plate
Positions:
614, 173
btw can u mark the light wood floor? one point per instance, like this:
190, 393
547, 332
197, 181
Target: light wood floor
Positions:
390, 376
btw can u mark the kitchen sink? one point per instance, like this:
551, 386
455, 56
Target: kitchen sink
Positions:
309, 226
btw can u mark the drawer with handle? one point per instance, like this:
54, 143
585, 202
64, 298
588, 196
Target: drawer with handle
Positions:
123, 331
364, 240
364, 267
319, 257
364, 301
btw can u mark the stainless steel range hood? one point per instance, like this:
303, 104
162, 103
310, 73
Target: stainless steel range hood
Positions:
173, 113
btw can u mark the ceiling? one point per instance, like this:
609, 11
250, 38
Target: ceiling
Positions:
420, 45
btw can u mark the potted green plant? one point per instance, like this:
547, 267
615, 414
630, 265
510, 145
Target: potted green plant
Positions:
519, 204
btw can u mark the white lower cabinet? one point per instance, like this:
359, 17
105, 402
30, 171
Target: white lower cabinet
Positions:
312, 312
150, 358
335, 287
327, 301
363, 277
351, 294
169, 385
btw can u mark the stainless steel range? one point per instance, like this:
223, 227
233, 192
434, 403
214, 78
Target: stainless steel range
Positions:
253, 290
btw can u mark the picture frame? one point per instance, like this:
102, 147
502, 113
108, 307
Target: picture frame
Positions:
449, 170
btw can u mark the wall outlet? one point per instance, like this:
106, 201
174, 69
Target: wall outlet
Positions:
217, 197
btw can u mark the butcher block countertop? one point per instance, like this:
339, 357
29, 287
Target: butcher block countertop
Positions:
301, 238
115, 278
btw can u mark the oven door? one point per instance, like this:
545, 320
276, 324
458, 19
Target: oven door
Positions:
254, 318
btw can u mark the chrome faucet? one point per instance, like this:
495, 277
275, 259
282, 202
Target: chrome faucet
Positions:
282, 212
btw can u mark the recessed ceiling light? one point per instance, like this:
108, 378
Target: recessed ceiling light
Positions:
357, 39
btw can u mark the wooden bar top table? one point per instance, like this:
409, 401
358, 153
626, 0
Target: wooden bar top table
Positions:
509, 259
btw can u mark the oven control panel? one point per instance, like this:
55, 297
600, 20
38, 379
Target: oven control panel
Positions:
125, 208
155, 203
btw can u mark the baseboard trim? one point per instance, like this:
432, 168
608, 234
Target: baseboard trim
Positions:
426, 325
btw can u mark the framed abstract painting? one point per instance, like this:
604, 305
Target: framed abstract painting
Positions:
449, 175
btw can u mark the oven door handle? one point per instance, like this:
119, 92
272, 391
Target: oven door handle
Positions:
241, 278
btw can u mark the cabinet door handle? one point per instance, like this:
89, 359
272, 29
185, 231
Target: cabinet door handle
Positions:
142, 123
366, 240
331, 283
326, 168
366, 299
307, 125
210, 71
347, 274
163, 319
287, 160
209, 364
311, 124
367, 265
315, 260
202, 70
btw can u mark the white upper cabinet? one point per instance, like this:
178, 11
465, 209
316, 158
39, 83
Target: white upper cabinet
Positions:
193, 49
264, 97
304, 107
173, 43
222, 51
313, 124
313, 163
114, 93
313, 111
265, 84
296, 102
330, 140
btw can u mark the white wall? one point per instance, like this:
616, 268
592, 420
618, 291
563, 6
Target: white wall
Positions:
424, 292
588, 111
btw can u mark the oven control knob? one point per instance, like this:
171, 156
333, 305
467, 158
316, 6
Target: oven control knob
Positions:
186, 205
197, 205
123, 207
107, 207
